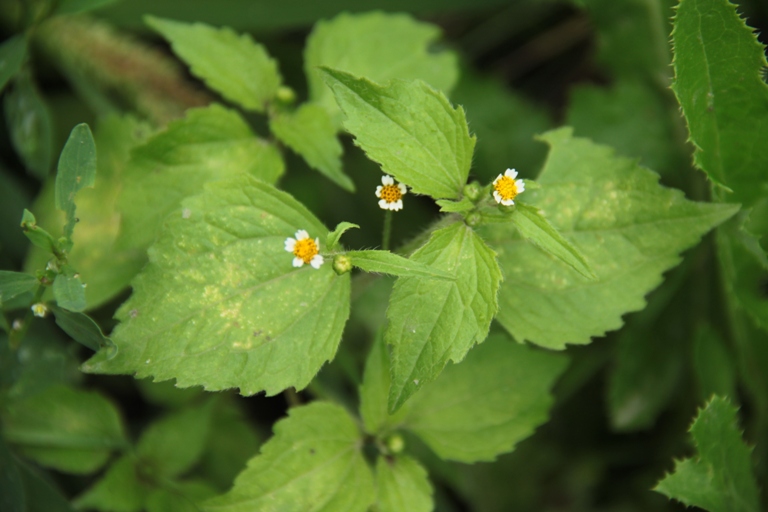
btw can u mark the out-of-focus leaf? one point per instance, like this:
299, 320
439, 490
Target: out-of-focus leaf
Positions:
402, 484
13, 199
79, 6
15, 283
120, 489
42, 495
713, 365
11, 487
12, 53
30, 126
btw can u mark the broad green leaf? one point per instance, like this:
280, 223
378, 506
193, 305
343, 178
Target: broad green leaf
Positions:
12, 497
69, 291
720, 478
534, 227
78, 6
463, 205
378, 46
219, 304
410, 129
393, 264
433, 321
483, 406
76, 171
402, 484
121, 489
718, 62
41, 493
210, 143
231, 64
80, 327
29, 125
713, 364
310, 132
65, 428
629, 228
166, 394
12, 53
172, 445
332, 240
106, 269
15, 283
313, 462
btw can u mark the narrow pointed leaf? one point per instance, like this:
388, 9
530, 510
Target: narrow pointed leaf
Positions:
410, 129
629, 228
15, 283
334, 236
29, 125
12, 53
220, 305
37, 235
310, 132
402, 484
80, 327
313, 458
463, 205
534, 227
393, 264
76, 171
720, 478
379, 46
229, 63
432, 321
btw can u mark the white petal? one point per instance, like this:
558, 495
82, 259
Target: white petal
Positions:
383, 205
520, 184
301, 234
290, 243
511, 173
497, 196
387, 180
398, 205
508, 202
378, 191
403, 188
317, 243
497, 179
316, 261
298, 262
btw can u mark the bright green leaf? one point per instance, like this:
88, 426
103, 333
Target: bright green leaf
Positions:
393, 264
720, 478
313, 459
231, 64
433, 321
718, 62
615, 213
12, 54
172, 445
15, 283
410, 129
69, 291
65, 428
463, 205
534, 227
30, 126
76, 171
210, 143
378, 46
310, 132
80, 327
120, 489
402, 484
220, 305
332, 240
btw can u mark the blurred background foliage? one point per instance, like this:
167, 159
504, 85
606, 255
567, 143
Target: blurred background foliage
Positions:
601, 66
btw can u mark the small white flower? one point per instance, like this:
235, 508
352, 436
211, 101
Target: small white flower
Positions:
390, 194
304, 249
506, 188
39, 309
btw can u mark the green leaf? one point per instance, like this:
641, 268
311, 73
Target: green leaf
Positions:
30, 126
310, 132
219, 304
313, 458
462, 205
67, 429
80, 327
713, 364
402, 484
720, 479
11, 488
332, 240
37, 235
433, 321
15, 283
184, 497
12, 54
534, 227
393, 264
231, 64
410, 129
69, 291
378, 46
121, 489
718, 62
172, 445
374, 391
615, 213
210, 143
77, 170
41, 493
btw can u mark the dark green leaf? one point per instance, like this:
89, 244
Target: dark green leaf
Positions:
12, 53
30, 125
80, 327
77, 170
713, 364
121, 489
390, 263
11, 489
42, 495
69, 291
37, 235
15, 283
78, 6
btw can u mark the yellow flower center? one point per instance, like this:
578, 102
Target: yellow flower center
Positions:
391, 193
506, 188
306, 249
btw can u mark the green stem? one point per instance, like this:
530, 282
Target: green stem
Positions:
16, 336
387, 234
